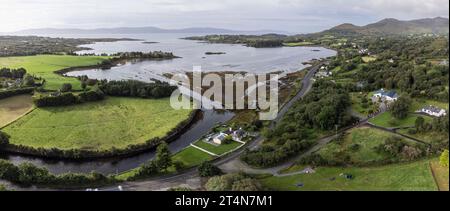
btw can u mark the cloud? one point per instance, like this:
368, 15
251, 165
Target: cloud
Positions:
288, 15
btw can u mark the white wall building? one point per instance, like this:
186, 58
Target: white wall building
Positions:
433, 111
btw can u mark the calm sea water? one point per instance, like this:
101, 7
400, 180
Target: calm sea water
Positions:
237, 58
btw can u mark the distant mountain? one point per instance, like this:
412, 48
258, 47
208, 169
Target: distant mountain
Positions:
392, 26
127, 30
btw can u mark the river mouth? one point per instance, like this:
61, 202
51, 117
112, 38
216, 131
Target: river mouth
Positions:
237, 59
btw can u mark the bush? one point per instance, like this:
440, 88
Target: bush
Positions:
269, 156
4, 139
60, 100
14, 92
233, 182
28, 174
137, 89
178, 165
91, 96
207, 169
444, 159
66, 88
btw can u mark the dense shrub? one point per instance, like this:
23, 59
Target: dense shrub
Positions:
270, 156
66, 87
90, 96
4, 139
137, 89
14, 92
64, 99
12, 73
233, 182
207, 169
28, 174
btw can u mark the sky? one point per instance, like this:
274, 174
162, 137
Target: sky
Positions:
299, 16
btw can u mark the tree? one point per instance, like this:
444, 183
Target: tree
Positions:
400, 108
4, 139
83, 85
163, 157
247, 184
444, 159
232, 182
420, 122
66, 87
228, 140
28, 80
207, 169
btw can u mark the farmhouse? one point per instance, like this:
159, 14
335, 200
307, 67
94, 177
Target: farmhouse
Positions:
385, 96
219, 139
433, 111
323, 73
237, 136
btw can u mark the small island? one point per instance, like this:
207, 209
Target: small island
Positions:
215, 53
149, 42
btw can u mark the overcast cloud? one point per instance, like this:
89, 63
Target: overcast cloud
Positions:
285, 15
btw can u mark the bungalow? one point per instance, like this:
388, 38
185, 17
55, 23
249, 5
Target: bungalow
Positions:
323, 74
219, 139
389, 96
433, 111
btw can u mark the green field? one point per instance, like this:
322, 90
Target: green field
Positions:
428, 137
441, 174
45, 65
367, 59
415, 176
218, 150
387, 120
191, 157
366, 138
298, 44
114, 122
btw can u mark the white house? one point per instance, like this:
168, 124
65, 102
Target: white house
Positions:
433, 111
220, 138
388, 96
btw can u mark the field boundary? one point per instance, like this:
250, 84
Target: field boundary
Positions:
204, 150
19, 117
433, 174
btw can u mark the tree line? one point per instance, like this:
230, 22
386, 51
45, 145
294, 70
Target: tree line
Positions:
323, 109
12, 73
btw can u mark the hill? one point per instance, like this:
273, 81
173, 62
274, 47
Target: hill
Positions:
392, 26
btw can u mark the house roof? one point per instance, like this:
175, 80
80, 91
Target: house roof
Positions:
433, 109
221, 136
391, 93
